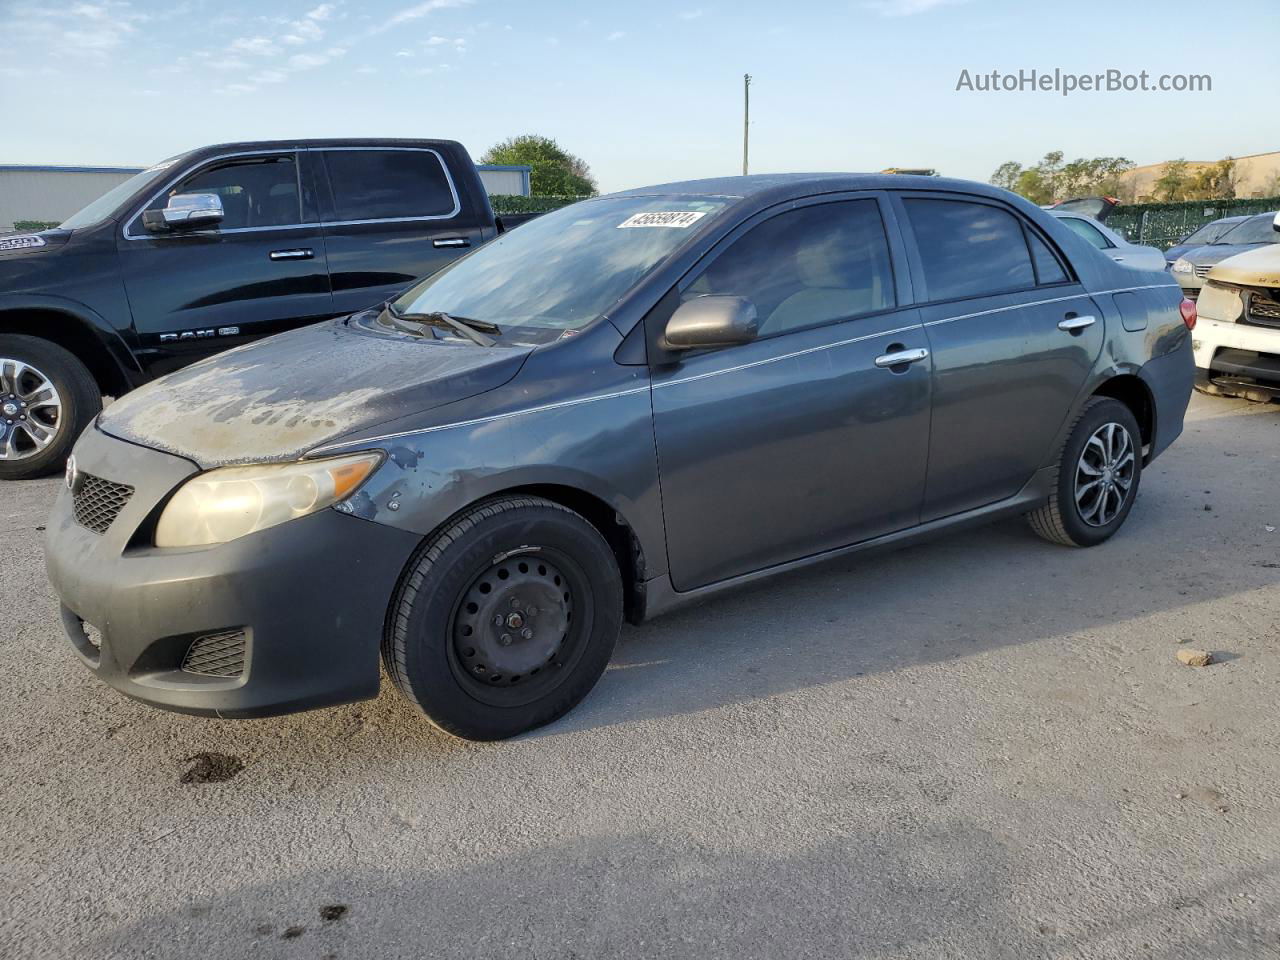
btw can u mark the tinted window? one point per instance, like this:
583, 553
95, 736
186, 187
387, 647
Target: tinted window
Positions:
969, 249
255, 192
1086, 230
381, 184
1209, 232
1048, 266
1260, 229
812, 265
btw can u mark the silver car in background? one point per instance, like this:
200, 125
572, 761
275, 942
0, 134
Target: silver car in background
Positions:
1192, 268
1111, 243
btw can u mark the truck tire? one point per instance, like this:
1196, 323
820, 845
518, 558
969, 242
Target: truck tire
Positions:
505, 619
47, 398
1096, 478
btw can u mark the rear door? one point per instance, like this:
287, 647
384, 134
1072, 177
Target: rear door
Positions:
799, 441
260, 271
391, 216
1013, 335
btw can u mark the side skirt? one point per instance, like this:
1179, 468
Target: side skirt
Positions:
661, 597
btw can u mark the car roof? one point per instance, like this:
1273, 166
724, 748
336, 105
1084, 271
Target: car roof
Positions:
321, 143
782, 186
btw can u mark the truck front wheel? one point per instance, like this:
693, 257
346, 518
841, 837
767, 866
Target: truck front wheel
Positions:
47, 397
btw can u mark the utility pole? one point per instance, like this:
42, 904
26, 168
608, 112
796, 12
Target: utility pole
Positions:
746, 118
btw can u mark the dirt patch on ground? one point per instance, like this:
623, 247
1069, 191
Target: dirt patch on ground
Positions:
211, 768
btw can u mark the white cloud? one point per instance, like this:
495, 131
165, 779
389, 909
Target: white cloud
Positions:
228, 63
258, 46
322, 12
416, 12
268, 76
404, 53
366, 69
907, 8
88, 28
691, 14
308, 61
616, 35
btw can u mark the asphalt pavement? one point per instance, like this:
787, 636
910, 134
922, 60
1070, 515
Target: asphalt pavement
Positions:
984, 746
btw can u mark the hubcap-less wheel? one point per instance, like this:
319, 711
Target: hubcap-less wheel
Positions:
30, 410
512, 626
1104, 474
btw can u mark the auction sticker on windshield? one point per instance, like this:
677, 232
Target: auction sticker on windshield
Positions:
674, 218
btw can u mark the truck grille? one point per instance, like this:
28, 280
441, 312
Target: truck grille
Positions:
1202, 270
96, 502
216, 654
1263, 310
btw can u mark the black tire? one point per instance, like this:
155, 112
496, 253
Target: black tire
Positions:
81, 402
521, 552
1062, 520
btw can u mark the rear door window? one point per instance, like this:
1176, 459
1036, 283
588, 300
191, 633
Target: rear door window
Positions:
811, 265
389, 184
968, 249
1049, 268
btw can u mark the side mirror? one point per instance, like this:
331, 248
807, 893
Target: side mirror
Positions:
711, 322
185, 211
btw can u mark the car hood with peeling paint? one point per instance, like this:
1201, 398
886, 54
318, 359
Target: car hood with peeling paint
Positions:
281, 397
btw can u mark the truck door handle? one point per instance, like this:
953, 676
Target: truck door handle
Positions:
301, 253
900, 357
1074, 324
451, 242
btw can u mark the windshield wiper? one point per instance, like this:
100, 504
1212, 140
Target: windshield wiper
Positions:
473, 330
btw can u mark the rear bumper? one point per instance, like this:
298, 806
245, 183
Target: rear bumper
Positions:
1170, 379
296, 611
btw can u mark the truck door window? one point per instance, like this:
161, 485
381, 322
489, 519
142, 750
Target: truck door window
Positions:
255, 191
388, 184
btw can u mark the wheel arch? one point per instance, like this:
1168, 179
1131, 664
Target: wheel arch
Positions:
1131, 390
79, 331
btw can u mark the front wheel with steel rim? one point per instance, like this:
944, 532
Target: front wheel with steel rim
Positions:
1098, 472
47, 397
505, 619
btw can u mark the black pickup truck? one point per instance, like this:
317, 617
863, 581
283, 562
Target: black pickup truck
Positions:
208, 250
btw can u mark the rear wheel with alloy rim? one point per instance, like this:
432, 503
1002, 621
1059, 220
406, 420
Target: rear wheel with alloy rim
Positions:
505, 619
47, 397
1099, 469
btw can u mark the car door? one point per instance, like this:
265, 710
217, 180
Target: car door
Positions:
800, 441
260, 271
391, 216
1013, 336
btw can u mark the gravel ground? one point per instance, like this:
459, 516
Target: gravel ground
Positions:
980, 747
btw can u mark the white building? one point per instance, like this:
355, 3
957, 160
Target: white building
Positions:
49, 193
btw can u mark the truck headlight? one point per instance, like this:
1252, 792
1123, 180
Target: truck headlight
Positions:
1183, 265
233, 502
1220, 303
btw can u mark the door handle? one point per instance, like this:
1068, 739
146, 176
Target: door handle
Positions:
451, 242
1074, 324
901, 358
301, 253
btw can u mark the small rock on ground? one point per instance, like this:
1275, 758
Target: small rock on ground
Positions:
1195, 658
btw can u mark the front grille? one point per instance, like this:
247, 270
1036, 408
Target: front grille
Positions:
1263, 310
1202, 270
216, 654
97, 502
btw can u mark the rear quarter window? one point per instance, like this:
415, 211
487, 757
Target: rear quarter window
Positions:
388, 184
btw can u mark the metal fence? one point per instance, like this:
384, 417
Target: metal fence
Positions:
1165, 224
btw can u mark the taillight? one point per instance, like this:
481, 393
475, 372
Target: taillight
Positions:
1188, 310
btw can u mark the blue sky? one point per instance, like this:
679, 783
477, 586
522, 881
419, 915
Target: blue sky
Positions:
645, 93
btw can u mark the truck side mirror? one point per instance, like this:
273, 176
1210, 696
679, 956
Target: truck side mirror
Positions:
714, 321
185, 211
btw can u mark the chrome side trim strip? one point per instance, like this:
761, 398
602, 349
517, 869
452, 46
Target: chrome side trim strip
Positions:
1039, 303
344, 444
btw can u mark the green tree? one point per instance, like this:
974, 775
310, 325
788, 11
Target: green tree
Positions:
555, 171
1216, 181
1173, 181
1006, 175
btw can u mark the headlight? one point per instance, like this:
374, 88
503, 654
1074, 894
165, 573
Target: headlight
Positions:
1220, 303
232, 502
1183, 265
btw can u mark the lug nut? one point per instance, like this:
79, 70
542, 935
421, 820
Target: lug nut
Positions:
505, 639
531, 611
527, 633
498, 620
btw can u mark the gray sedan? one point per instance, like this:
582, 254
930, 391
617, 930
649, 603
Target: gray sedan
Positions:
634, 402
1191, 270
1112, 244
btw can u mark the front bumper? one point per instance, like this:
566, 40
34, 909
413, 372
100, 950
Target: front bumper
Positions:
1237, 356
300, 606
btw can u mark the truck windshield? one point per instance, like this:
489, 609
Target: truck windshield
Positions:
1258, 229
564, 269
107, 204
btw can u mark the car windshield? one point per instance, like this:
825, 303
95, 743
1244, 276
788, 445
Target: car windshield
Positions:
106, 204
564, 269
1208, 233
1258, 229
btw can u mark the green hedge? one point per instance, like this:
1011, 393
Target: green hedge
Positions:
512, 203
34, 226
1165, 224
